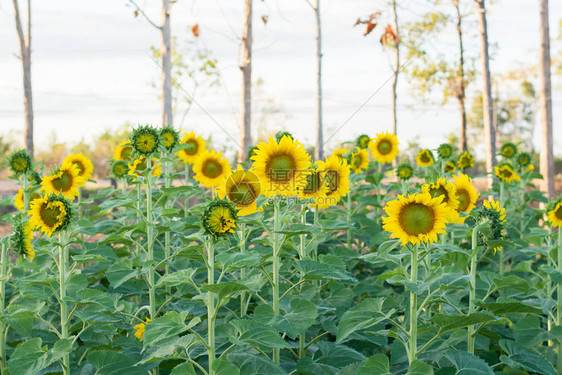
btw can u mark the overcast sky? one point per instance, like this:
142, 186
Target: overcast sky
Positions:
92, 68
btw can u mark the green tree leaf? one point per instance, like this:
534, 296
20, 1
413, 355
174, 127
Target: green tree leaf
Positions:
366, 314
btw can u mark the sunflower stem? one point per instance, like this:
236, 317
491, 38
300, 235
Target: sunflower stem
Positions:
123, 186
149, 241
167, 184
472, 288
276, 251
211, 313
302, 236
25, 193
559, 297
413, 339
186, 172
63, 267
3, 326
349, 212
242, 234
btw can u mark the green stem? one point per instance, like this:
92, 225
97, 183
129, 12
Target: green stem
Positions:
149, 241
243, 305
559, 296
25, 193
472, 288
123, 186
211, 306
316, 225
186, 172
276, 252
302, 236
167, 183
349, 213
3, 326
63, 266
413, 339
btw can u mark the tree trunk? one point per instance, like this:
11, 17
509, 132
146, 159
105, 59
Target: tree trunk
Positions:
246, 68
460, 90
489, 131
166, 55
396, 72
319, 151
545, 100
25, 50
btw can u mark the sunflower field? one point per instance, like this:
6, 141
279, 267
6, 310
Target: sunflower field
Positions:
280, 265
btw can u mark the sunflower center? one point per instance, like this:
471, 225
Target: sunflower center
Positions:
508, 151
190, 147
357, 159
50, 215
126, 153
364, 142
416, 218
212, 168
439, 191
19, 164
63, 182
280, 168
332, 181
80, 167
424, 157
313, 183
558, 213
120, 169
146, 143
167, 140
506, 173
384, 147
242, 194
464, 200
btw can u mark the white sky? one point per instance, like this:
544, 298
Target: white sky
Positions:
91, 68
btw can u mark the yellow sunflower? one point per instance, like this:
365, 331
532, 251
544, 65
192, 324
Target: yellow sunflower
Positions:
425, 158
64, 180
50, 214
21, 239
447, 190
404, 171
359, 160
20, 162
363, 141
194, 145
554, 213
219, 218
495, 214
316, 186
18, 199
243, 189
119, 168
145, 140
123, 151
416, 218
336, 179
450, 166
211, 168
169, 137
84, 165
465, 160
508, 150
339, 152
384, 147
138, 166
504, 172
282, 167
466, 194
139, 329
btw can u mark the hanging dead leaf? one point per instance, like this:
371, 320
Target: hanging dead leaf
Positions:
389, 36
136, 13
265, 19
195, 30
370, 27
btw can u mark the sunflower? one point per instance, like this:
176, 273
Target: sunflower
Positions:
316, 186
508, 150
145, 140
523, 160
450, 166
444, 151
336, 179
219, 218
554, 212
123, 151
139, 329
363, 141
138, 166
251, 152
243, 189
169, 137
359, 160
51, 213
494, 214
281, 166
20, 162
64, 180
194, 146
466, 194
20, 240
280, 134
339, 152
384, 147
119, 168
504, 172
425, 158
404, 171
465, 160
84, 165
210, 168
415, 218
18, 199
447, 190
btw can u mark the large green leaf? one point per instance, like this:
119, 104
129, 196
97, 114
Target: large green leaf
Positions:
337, 355
184, 369
419, 368
254, 333
449, 323
226, 289
378, 364
169, 348
504, 308
30, 357
302, 316
121, 272
238, 260
250, 364
176, 278
314, 270
468, 364
108, 362
520, 356
224, 367
366, 314
166, 327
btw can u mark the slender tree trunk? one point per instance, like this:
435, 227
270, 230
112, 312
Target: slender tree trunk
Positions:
545, 100
319, 151
489, 131
25, 50
396, 72
246, 68
166, 55
461, 96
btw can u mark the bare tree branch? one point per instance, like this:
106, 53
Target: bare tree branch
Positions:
141, 12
